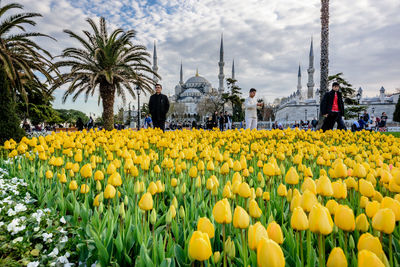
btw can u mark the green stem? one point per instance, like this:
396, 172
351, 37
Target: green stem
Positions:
321, 251
223, 244
244, 247
282, 213
345, 243
390, 251
301, 249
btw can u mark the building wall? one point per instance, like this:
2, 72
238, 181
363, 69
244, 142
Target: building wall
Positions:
297, 113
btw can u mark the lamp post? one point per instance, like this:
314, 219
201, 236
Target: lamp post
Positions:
138, 89
358, 100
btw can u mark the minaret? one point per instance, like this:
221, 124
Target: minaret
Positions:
299, 81
233, 69
155, 67
310, 71
181, 76
221, 64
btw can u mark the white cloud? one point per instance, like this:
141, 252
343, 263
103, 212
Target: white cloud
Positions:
268, 39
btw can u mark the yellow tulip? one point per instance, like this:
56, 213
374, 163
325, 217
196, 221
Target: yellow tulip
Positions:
153, 189
86, 171
320, 220
275, 232
371, 243
310, 185
254, 209
222, 211
340, 170
98, 175
174, 182
339, 190
366, 188
244, 190
96, 202
372, 207
240, 218
362, 223
200, 246
308, 200
299, 220
256, 232
85, 189
384, 220
292, 177
269, 169
115, 179
193, 172
146, 202
63, 178
336, 258
49, 174
204, 225
73, 185
367, 258
282, 190
269, 254
266, 196
111, 169
344, 218
324, 186
394, 205
224, 169
109, 191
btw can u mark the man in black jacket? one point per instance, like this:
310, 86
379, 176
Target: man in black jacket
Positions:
158, 106
332, 108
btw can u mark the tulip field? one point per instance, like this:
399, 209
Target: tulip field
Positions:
211, 198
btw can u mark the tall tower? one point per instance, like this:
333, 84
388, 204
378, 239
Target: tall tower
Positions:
221, 64
181, 76
155, 67
299, 80
233, 69
310, 71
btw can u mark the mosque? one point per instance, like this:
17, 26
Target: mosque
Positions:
189, 94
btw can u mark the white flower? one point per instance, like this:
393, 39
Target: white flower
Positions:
36, 229
62, 259
47, 210
46, 236
11, 212
62, 231
62, 220
1, 223
33, 264
18, 239
20, 207
54, 253
67, 255
14, 227
64, 239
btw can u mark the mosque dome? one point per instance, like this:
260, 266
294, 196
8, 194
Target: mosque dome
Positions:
197, 81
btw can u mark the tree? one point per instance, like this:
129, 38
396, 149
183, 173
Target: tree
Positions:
349, 94
324, 53
107, 63
38, 107
236, 101
21, 61
72, 115
396, 114
209, 104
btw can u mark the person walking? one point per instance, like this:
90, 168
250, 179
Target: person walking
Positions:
250, 105
158, 106
332, 109
221, 121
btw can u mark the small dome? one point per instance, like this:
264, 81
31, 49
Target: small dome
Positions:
192, 92
196, 81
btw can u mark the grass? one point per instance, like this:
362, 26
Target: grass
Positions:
395, 134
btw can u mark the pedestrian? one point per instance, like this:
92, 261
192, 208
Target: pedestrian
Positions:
147, 122
90, 123
158, 106
332, 109
221, 121
215, 119
383, 120
79, 124
250, 105
314, 124
365, 116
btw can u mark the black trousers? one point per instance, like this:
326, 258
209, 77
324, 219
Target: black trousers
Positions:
329, 122
159, 124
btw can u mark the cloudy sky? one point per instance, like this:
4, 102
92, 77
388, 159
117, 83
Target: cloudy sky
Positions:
267, 39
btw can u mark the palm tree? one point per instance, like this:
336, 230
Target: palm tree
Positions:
21, 59
107, 63
324, 52
20, 56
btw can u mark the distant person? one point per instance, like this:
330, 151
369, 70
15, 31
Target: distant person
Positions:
194, 125
159, 106
221, 121
90, 123
215, 119
366, 117
79, 124
314, 124
332, 109
148, 122
383, 120
250, 105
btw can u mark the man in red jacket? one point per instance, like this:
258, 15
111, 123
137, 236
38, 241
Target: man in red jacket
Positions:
332, 108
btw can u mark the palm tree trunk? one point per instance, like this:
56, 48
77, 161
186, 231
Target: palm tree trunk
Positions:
107, 93
324, 53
